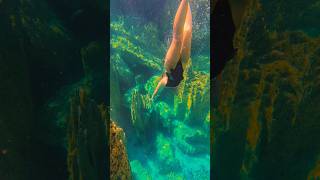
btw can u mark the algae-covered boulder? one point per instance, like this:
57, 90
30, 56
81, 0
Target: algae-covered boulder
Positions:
143, 118
192, 141
119, 162
131, 44
197, 98
166, 155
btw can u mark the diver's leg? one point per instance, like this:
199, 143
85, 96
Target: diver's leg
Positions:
187, 36
179, 20
173, 53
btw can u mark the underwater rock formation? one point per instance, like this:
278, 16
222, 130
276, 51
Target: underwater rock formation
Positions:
119, 163
87, 139
194, 98
266, 117
139, 171
166, 155
130, 43
192, 141
143, 118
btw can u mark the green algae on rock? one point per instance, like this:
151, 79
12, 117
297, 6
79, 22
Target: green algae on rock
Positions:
119, 162
139, 171
266, 100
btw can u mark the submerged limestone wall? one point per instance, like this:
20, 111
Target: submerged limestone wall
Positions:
266, 121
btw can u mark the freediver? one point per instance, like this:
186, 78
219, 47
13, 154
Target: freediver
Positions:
178, 53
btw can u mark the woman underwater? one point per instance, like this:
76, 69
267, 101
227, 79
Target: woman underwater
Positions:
227, 17
178, 53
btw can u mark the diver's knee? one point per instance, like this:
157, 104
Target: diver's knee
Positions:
187, 29
177, 38
166, 67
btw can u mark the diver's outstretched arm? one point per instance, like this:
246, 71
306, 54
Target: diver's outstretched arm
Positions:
160, 85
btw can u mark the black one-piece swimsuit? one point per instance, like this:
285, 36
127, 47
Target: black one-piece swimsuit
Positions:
176, 75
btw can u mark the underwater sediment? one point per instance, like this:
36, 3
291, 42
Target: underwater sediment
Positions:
266, 121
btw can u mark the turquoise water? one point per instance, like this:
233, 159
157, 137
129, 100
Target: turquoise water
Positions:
168, 138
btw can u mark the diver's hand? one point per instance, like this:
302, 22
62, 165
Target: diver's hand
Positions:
152, 99
151, 105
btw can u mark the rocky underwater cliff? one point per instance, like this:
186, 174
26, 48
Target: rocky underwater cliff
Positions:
266, 120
